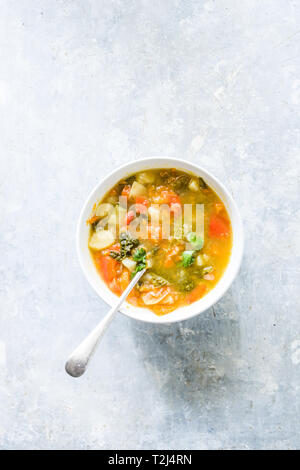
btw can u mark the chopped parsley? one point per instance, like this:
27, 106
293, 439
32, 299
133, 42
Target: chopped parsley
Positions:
140, 257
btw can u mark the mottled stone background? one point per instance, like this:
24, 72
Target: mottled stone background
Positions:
86, 85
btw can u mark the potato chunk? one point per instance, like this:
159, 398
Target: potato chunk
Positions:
137, 189
146, 177
194, 185
129, 264
104, 209
199, 260
101, 239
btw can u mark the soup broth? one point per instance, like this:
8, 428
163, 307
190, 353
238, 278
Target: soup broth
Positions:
184, 262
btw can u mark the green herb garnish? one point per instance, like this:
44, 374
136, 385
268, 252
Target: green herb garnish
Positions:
188, 257
140, 257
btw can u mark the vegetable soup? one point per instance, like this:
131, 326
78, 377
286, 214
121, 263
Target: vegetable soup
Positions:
169, 221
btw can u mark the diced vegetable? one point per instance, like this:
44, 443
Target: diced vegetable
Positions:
101, 239
207, 269
154, 232
112, 219
168, 300
141, 204
146, 177
129, 264
104, 209
218, 227
194, 185
112, 200
142, 200
187, 258
199, 260
196, 293
195, 240
115, 286
137, 189
209, 277
155, 296
129, 217
124, 280
174, 199
107, 267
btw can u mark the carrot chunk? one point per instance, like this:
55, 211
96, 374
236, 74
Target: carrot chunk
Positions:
107, 267
218, 227
196, 293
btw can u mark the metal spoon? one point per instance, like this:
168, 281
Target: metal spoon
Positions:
78, 361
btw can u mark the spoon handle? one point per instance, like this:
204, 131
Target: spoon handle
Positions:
78, 361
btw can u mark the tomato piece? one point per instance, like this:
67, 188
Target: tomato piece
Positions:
174, 199
163, 195
140, 209
129, 217
218, 227
142, 200
141, 205
169, 197
107, 267
196, 293
154, 233
172, 256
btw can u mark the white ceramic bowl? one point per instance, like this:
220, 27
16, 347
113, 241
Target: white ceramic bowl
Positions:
144, 314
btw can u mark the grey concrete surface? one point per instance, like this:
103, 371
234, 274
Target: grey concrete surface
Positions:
86, 85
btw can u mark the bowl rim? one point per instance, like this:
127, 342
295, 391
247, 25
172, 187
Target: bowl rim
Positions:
232, 268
